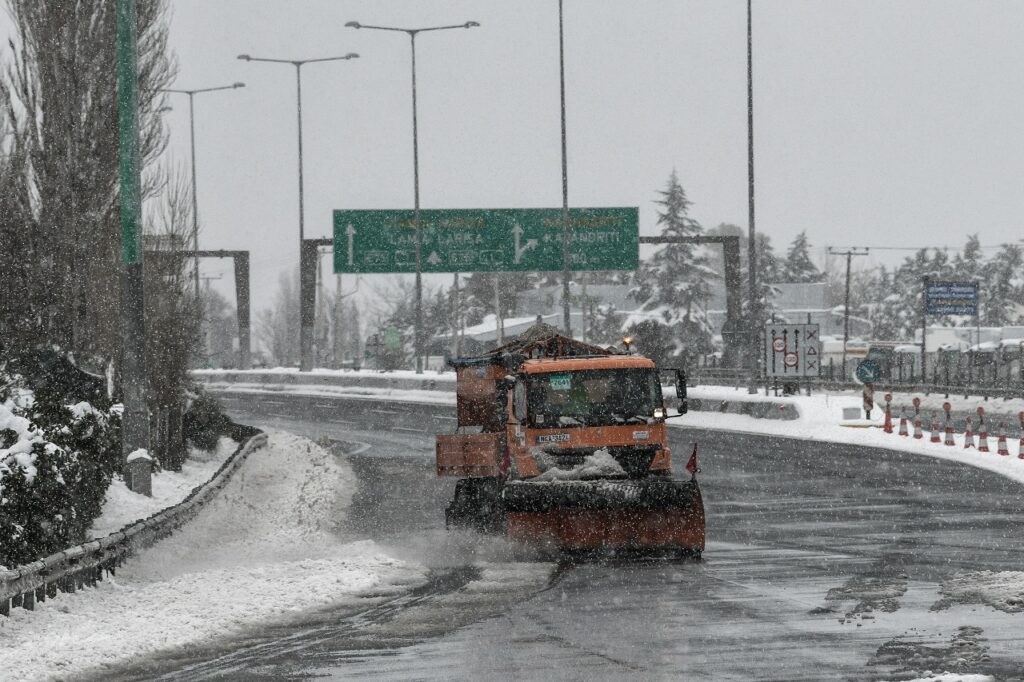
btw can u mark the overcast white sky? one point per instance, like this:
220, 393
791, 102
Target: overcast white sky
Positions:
877, 122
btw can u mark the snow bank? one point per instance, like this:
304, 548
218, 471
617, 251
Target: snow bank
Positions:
1003, 590
953, 677
122, 507
264, 550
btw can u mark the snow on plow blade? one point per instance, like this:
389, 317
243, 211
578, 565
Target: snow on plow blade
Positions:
652, 514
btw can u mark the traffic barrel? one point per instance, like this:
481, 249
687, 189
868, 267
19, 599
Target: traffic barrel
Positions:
1001, 447
888, 413
969, 436
903, 422
935, 429
918, 433
950, 441
1020, 448
982, 431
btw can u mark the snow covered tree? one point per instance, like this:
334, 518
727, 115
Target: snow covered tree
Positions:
673, 286
798, 266
1002, 290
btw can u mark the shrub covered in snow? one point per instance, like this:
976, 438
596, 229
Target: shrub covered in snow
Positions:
205, 422
56, 462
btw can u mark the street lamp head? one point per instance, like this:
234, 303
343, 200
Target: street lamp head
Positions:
238, 85
245, 57
471, 24
353, 24
352, 55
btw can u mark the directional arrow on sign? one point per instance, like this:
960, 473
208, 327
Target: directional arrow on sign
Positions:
350, 232
517, 232
433, 258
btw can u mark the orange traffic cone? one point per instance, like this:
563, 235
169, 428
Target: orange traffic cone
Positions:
1001, 442
888, 414
969, 436
903, 422
935, 430
949, 430
918, 433
982, 431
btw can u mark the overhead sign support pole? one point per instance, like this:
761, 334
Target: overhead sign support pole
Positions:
135, 424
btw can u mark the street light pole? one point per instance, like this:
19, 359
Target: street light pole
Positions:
412, 33
566, 315
752, 239
307, 290
192, 141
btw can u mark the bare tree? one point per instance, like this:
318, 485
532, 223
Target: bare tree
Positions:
60, 93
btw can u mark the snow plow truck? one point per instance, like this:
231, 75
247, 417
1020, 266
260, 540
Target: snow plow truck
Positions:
563, 444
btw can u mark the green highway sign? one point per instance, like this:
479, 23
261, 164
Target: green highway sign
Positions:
485, 240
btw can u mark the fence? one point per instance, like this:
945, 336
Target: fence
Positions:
88, 563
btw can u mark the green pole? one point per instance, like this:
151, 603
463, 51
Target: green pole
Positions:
135, 421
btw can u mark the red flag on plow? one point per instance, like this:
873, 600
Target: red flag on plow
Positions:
691, 466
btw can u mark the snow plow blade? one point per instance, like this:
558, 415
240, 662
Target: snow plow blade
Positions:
651, 515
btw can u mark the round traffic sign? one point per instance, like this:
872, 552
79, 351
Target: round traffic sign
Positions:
867, 372
791, 359
917, 402
778, 344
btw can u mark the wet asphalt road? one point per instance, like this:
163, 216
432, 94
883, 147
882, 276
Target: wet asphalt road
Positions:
823, 562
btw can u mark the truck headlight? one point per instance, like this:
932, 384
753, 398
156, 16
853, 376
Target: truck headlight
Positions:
659, 412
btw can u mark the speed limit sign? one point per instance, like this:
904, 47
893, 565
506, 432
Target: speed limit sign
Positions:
791, 350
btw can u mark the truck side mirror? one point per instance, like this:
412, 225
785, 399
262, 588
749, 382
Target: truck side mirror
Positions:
681, 390
519, 401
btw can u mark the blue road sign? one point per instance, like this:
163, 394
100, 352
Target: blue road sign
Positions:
867, 372
951, 298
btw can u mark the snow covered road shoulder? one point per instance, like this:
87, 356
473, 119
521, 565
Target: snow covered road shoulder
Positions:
266, 549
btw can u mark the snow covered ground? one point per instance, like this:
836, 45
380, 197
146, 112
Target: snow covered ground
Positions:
122, 507
266, 549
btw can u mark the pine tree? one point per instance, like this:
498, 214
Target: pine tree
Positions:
673, 286
798, 266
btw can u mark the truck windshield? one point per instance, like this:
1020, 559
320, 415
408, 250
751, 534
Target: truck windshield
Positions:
593, 397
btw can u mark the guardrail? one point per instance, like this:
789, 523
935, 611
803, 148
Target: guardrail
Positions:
86, 564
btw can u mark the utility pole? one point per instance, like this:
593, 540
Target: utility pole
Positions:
849, 253
135, 423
